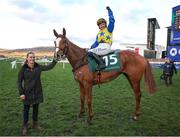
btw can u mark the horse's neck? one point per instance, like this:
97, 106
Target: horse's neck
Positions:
75, 53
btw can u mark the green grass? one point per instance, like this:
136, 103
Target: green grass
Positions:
113, 105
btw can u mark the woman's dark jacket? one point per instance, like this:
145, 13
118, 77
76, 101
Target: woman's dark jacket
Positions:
29, 82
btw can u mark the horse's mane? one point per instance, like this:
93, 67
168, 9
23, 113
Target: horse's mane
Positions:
76, 46
77, 55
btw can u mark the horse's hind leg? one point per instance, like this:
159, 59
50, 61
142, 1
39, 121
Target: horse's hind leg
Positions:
135, 84
82, 98
137, 92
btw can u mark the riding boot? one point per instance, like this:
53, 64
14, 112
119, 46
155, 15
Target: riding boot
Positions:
24, 129
99, 61
36, 125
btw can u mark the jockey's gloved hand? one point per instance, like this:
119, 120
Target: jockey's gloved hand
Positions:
108, 8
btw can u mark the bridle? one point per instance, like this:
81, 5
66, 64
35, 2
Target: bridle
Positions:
63, 52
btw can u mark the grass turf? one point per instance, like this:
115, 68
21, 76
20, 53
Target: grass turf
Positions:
113, 105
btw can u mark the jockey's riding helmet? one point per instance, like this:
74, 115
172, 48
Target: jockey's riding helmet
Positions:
101, 20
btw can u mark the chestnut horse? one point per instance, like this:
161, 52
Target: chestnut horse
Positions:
133, 67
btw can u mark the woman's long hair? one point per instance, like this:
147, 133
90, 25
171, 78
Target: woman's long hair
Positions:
30, 52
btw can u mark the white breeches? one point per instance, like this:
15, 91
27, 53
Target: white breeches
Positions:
102, 49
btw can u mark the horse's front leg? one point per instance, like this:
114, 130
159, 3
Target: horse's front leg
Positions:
82, 98
89, 101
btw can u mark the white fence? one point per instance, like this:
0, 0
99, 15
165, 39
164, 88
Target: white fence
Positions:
45, 61
153, 64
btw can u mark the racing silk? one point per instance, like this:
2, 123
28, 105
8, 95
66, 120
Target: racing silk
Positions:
105, 36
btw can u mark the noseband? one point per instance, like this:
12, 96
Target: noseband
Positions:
65, 50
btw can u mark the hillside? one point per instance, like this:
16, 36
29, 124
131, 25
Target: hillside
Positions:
39, 51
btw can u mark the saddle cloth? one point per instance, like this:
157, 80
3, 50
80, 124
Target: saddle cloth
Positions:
112, 62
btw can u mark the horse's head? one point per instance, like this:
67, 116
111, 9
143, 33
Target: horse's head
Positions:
61, 43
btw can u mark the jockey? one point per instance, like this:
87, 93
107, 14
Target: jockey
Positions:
102, 45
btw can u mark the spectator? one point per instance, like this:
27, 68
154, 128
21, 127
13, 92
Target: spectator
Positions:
168, 71
30, 89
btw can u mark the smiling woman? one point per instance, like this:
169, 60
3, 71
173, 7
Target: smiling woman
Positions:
30, 59
30, 88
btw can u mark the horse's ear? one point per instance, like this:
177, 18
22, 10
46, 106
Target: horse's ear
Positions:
55, 33
64, 32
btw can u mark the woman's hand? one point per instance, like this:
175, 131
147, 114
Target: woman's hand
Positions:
22, 97
56, 57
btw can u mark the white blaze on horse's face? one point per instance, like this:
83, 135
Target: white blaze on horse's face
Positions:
57, 43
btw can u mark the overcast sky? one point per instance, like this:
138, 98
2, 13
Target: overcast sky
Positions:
30, 23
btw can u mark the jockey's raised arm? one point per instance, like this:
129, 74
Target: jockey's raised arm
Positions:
111, 20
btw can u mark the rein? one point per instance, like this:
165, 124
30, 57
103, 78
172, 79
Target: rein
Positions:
80, 62
76, 63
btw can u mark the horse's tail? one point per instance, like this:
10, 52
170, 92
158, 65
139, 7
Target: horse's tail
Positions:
149, 79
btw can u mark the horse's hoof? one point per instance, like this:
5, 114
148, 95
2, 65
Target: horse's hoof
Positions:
135, 118
89, 121
81, 114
